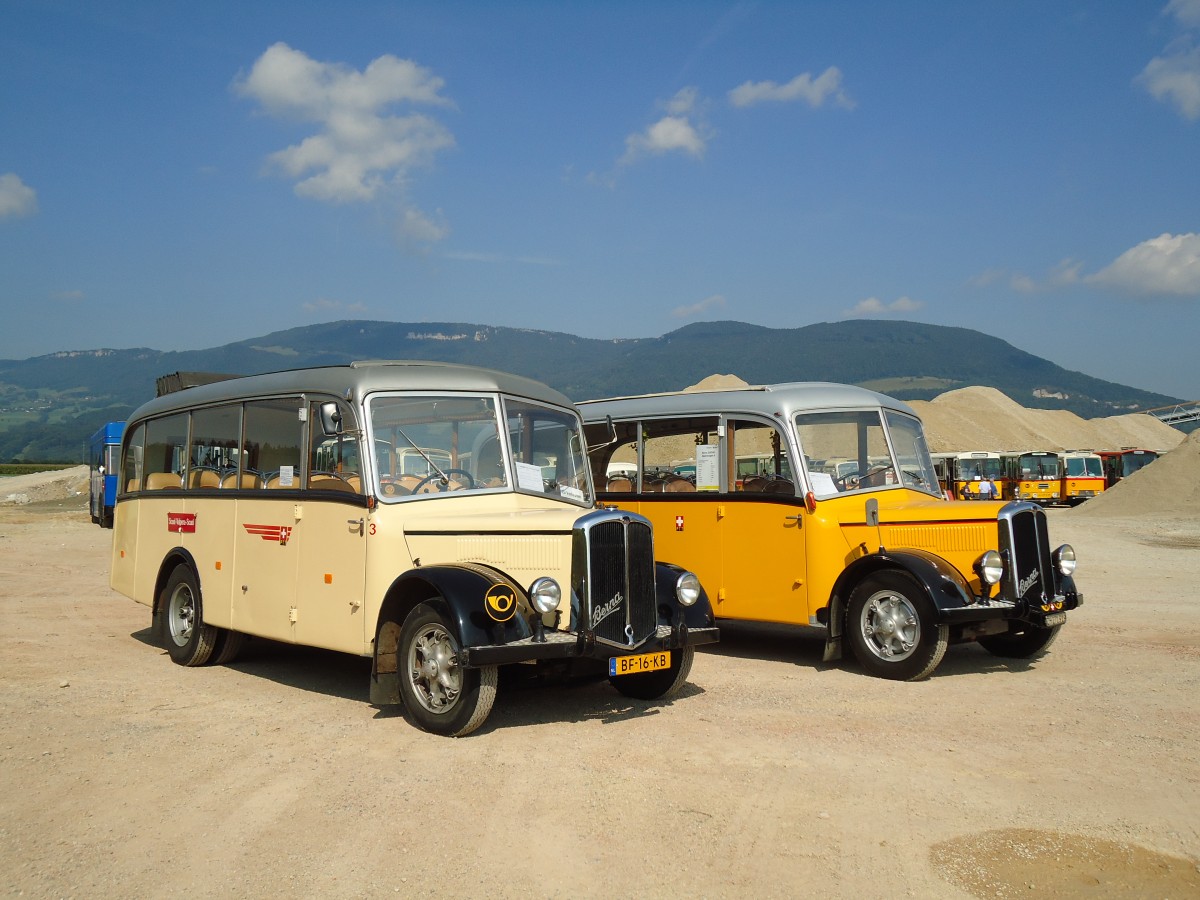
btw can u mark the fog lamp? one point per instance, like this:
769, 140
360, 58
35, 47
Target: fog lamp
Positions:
1064, 559
545, 595
687, 588
990, 567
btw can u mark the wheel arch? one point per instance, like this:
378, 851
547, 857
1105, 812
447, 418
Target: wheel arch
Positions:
177, 557
944, 586
457, 592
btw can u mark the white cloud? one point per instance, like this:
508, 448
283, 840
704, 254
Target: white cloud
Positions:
1167, 264
813, 91
873, 306
1174, 77
681, 130
360, 148
1186, 12
16, 197
716, 301
414, 225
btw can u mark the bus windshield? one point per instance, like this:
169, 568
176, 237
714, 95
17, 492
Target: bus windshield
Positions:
848, 451
1084, 466
428, 444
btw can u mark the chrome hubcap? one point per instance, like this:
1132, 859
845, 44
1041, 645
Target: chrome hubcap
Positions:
181, 614
890, 626
433, 669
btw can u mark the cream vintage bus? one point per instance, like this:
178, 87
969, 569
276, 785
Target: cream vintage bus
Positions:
438, 519
842, 525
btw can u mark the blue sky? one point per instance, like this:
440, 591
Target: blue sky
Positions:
182, 175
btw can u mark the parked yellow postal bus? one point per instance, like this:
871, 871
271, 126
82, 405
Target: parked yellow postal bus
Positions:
872, 553
1033, 475
466, 538
1082, 476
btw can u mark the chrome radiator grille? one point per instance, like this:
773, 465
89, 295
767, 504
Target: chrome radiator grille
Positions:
1025, 542
613, 578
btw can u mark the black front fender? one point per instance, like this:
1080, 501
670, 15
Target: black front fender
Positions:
670, 610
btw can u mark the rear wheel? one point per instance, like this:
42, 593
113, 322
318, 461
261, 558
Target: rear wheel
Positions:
228, 645
441, 695
891, 628
1024, 642
188, 640
657, 685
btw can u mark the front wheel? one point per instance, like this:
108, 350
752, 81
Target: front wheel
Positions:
441, 695
1024, 642
188, 639
891, 628
657, 685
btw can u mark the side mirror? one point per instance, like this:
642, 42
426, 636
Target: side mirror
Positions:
331, 419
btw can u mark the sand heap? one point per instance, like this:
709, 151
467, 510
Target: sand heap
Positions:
981, 418
55, 485
1168, 486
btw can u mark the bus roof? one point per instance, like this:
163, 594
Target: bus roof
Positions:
356, 379
767, 399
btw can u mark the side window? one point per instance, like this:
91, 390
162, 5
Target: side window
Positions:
614, 463
166, 452
131, 469
680, 455
759, 458
213, 452
333, 460
274, 441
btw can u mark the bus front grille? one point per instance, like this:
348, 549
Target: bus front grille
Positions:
613, 578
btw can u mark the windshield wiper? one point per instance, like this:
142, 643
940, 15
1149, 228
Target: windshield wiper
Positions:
425, 456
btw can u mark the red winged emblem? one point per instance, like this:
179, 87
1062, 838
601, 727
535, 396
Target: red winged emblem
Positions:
275, 533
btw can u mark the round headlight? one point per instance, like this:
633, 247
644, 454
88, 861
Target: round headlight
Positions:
1064, 559
687, 588
545, 595
990, 567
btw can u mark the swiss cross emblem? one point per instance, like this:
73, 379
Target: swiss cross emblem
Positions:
679, 523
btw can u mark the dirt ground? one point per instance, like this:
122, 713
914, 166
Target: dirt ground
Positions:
771, 775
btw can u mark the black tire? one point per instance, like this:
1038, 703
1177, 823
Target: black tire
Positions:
1024, 641
229, 644
891, 628
187, 638
657, 685
441, 696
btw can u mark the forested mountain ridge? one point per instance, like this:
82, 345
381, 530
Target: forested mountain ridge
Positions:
50, 404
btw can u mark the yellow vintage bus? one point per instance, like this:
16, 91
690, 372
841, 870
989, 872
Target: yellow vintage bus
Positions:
467, 537
977, 475
1082, 476
848, 532
1033, 475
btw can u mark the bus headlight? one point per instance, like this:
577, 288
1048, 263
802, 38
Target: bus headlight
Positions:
545, 595
990, 567
687, 588
1064, 559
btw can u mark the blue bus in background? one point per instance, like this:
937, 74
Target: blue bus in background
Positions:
104, 460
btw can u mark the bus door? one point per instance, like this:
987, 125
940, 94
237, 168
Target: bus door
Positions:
761, 533
267, 522
333, 527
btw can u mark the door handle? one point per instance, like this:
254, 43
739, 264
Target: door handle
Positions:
356, 525
799, 520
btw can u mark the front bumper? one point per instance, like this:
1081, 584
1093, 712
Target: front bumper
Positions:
995, 608
581, 645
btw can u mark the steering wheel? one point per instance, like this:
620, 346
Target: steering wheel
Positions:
445, 487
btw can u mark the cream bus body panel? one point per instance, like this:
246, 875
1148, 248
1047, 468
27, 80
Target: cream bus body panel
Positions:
315, 572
